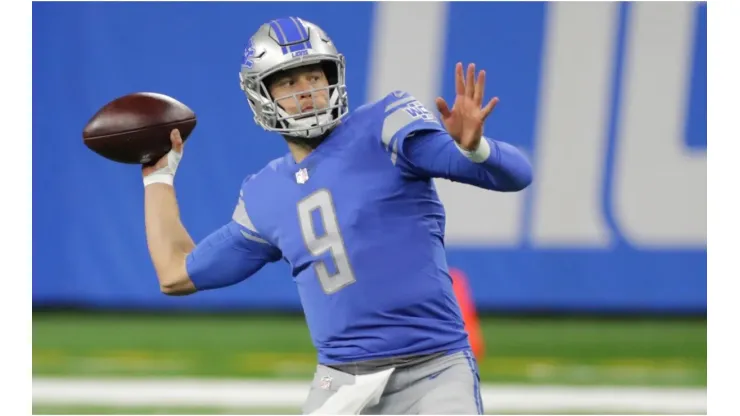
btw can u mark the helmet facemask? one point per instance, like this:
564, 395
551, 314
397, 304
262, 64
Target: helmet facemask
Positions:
308, 124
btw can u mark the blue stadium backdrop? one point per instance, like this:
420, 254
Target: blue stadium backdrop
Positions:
608, 99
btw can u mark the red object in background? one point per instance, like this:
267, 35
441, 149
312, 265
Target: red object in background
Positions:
467, 306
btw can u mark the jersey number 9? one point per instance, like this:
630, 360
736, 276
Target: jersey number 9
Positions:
331, 241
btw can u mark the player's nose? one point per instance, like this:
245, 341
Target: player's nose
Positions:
305, 97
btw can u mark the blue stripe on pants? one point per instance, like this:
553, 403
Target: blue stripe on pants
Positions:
476, 383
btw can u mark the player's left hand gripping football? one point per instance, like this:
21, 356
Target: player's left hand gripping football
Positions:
465, 120
164, 170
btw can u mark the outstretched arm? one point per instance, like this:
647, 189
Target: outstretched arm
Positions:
454, 148
495, 165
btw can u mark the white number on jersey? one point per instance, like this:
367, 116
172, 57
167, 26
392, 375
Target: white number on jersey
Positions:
331, 241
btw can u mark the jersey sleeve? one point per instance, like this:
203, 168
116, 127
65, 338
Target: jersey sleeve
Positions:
403, 116
230, 254
435, 155
418, 144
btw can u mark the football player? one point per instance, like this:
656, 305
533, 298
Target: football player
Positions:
352, 208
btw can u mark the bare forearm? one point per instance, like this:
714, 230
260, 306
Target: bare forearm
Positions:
168, 240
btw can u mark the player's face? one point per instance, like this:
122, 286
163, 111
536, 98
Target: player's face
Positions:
301, 89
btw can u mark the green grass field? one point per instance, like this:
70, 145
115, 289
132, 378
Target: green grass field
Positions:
518, 350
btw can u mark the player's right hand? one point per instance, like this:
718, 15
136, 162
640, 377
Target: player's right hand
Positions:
163, 171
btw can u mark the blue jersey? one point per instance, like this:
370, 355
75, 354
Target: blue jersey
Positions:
362, 227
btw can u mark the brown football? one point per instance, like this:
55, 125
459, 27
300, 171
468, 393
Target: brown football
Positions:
136, 128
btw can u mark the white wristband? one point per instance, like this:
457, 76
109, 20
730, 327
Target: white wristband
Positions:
478, 155
165, 175
159, 178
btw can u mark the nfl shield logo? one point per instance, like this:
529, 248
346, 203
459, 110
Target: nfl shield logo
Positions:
325, 382
301, 176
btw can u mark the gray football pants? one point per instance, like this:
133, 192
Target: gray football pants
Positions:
447, 385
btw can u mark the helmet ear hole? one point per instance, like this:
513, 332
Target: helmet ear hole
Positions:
331, 72
266, 85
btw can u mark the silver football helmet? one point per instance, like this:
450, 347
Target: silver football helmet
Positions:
284, 44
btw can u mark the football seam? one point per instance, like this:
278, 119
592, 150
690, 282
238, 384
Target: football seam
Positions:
140, 129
